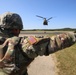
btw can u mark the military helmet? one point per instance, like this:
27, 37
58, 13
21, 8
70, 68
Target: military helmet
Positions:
10, 20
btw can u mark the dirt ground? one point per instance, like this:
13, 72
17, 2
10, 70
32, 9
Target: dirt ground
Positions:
43, 65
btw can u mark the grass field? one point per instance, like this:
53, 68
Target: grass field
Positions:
67, 60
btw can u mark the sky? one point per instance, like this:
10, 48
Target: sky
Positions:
62, 11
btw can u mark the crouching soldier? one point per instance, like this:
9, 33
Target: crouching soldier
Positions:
16, 53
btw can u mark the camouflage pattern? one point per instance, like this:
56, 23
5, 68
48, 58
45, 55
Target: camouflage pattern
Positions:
10, 20
32, 48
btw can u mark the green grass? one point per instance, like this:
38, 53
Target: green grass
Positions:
67, 60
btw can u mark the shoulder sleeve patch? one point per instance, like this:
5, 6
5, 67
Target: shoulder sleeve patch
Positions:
32, 39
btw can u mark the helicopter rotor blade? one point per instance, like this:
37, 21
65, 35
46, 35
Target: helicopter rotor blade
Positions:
50, 18
40, 16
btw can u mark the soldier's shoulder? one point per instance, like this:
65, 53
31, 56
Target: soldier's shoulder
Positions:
32, 39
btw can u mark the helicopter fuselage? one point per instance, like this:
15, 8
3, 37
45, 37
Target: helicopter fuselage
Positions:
45, 22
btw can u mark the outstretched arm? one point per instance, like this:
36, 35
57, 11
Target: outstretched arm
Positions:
46, 46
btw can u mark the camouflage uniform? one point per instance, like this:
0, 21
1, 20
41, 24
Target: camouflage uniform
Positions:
16, 53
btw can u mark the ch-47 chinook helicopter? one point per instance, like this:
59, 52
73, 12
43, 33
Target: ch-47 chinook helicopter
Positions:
45, 22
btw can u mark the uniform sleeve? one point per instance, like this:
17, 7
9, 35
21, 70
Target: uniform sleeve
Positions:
37, 48
61, 41
46, 46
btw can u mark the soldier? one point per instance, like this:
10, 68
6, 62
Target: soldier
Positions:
10, 26
16, 53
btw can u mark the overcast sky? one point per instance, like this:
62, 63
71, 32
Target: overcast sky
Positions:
62, 11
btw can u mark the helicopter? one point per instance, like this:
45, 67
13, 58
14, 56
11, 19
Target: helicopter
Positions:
45, 22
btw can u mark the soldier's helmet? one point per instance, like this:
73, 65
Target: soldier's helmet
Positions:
10, 20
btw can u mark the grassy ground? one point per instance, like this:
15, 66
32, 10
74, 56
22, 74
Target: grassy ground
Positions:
67, 60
